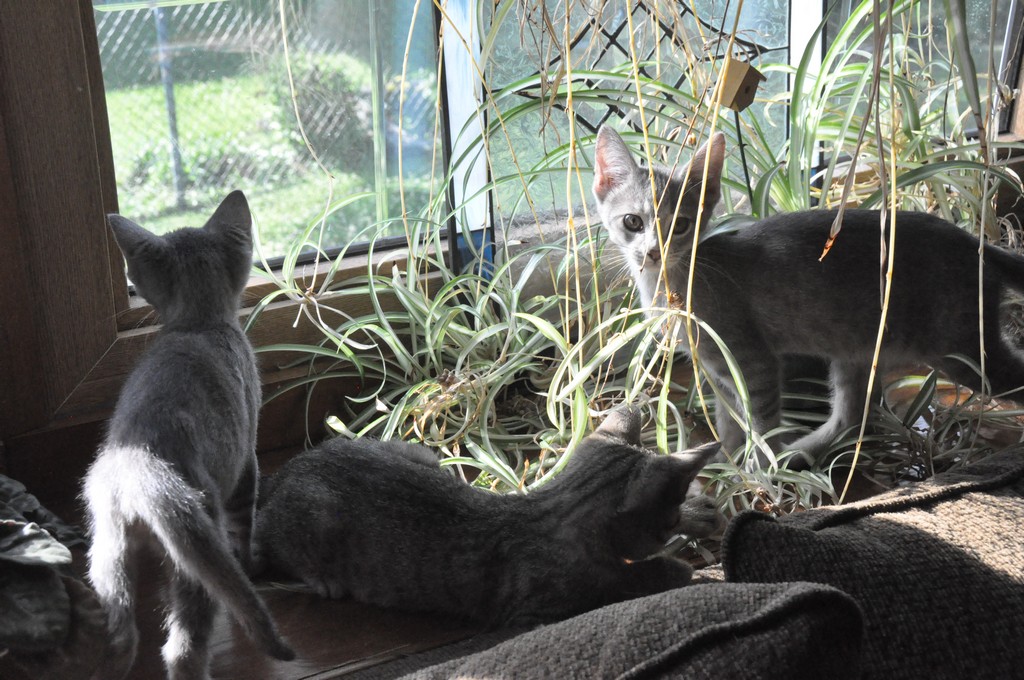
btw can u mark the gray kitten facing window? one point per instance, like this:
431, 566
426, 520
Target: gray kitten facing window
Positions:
763, 289
383, 523
179, 460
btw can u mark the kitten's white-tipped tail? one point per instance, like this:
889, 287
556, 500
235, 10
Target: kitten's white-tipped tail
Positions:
110, 575
140, 487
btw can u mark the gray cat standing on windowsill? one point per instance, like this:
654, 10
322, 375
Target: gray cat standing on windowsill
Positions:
383, 523
763, 289
179, 461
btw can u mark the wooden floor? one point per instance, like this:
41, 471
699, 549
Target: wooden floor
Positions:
332, 638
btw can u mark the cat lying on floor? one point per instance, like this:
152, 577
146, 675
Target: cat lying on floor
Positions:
383, 523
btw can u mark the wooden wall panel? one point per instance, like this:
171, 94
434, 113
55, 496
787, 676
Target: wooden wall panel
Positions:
104, 151
46, 108
20, 334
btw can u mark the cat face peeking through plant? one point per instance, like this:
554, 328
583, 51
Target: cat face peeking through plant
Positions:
651, 214
767, 293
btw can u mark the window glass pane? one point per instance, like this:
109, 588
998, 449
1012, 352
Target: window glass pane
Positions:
924, 54
199, 104
677, 50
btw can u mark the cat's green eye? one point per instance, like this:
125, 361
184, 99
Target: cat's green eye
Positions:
633, 223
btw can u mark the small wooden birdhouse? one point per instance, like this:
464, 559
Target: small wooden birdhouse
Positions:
739, 84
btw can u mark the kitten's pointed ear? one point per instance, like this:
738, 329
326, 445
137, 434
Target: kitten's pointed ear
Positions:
661, 482
715, 148
666, 477
613, 162
622, 424
132, 239
696, 459
232, 217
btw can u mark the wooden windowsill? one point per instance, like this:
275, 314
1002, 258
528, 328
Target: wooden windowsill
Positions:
279, 323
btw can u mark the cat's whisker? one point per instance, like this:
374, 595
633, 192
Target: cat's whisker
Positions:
146, 319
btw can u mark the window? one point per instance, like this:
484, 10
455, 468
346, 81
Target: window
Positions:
663, 46
68, 329
995, 34
680, 51
199, 102
68, 333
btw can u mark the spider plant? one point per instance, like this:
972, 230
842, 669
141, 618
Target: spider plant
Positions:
507, 380
917, 123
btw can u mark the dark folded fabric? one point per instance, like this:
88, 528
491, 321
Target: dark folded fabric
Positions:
712, 630
937, 568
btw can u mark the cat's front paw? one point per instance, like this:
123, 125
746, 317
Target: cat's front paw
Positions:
805, 450
699, 518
